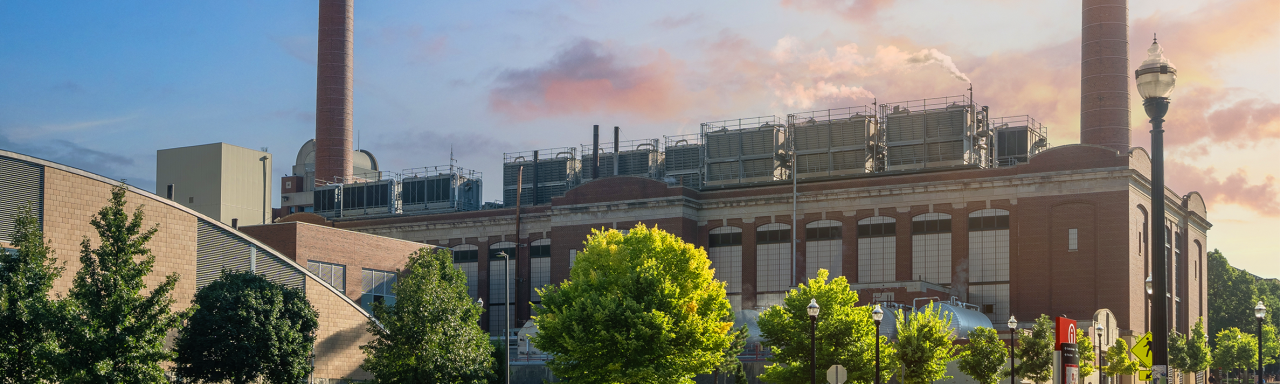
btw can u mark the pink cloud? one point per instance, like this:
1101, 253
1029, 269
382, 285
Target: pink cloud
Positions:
1263, 198
856, 10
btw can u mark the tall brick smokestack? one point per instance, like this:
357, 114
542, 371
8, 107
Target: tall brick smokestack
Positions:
333, 91
1104, 74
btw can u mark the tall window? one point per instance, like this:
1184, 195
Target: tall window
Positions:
725, 252
877, 249
1073, 239
466, 257
931, 247
823, 248
334, 274
377, 288
539, 267
989, 246
773, 257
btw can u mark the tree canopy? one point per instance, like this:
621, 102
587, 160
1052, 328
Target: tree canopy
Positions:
1084, 345
1119, 363
28, 346
984, 357
432, 333
925, 345
113, 333
245, 328
1235, 349
1035, 352
643, 307
846, 335
1196, 349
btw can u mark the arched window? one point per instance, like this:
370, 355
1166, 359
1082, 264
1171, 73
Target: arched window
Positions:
931, 247
877, 249
823, 248
540, 248
503, 246
465, 257
465, 253
773, 257
725, 251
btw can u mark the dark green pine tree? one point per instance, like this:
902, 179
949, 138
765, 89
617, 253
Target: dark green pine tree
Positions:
114, 333
27, 344
1035, 353
246, 328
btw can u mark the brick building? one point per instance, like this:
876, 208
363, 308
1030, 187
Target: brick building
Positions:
1062, 234
198, 247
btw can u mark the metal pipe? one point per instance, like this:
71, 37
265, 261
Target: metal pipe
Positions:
1156, 108
615, 150
791, 140
595, 153
506, 328
535, 185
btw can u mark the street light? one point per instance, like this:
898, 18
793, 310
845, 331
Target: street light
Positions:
877, 315
1260, 312
1148, 286
1097, 328
1013, 326
1156, 78
506, 312
813, 343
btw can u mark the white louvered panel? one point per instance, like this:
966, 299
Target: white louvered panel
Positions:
906, 154
22, 185
817, 162
723, 145
812, 137
722, 171
946, 151
847, 160
849, 133
758, 168
759, 142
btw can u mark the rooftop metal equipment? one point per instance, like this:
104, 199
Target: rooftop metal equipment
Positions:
834, 142
931, 133
553, 171
440, 189
1018, 138
744, 151
640, 158
682, 160
368, 198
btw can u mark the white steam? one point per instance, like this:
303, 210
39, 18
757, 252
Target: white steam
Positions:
933, 56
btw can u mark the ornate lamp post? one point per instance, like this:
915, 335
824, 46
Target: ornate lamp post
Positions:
813, 330
1156, 78
1097, 328
1260, 312
1013, 327
877, 315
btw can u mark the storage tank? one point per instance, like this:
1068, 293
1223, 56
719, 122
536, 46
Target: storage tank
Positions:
963, 318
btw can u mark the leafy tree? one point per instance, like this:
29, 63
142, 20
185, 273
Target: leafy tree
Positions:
245, 328
1035, 352
1235, 349
983, 358
845, 334
113, 333
432, 333
925, 345
1196, 349
27, 343
1119, 363
1270, 345
1233, 292
1178, 358
640, 308
729, 363
1087, 355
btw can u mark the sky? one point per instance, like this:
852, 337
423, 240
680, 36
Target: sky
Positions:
103, 85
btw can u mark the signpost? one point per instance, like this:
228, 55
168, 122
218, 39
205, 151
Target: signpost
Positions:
1066, 332
837, 374
1142, 350
1144, 375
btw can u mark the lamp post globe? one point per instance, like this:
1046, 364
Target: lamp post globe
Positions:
1260, 312
813, 342
877, 315
1013, 326
1156, 77
1148, 285
1097, 330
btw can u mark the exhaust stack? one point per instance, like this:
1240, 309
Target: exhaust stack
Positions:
1104, 74
333, 91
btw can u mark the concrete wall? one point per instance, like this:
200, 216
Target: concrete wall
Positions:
219, 180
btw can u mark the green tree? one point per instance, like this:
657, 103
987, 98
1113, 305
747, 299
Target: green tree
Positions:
1035, 352
845, 334
1119, 363
925, 345
1235, 350
245, 328
1270, 345
432, 333
640, 308
1233, 292
1196, 349
1087, 355
113, 333
729, 363
28, 346
984, 357
1178, 358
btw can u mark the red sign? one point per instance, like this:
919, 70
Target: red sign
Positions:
1066, 332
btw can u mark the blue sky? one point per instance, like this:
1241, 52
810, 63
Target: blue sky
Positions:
103, 85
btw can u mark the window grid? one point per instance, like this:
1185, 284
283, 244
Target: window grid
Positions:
497, 314
773, 264
993, 294
877, 259
1072, 238
727, 261
471, 270
989, 256
334, 274
376, 287
539, 276
496, 293
823, 255
931, 257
